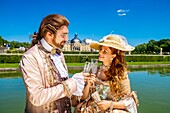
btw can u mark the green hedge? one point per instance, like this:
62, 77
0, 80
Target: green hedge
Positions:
10, 58
77, 52
80, 58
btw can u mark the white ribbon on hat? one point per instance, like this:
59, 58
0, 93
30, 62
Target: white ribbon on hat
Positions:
123, 41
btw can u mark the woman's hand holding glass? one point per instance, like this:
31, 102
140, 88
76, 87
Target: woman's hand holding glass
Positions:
104, 104
90, 79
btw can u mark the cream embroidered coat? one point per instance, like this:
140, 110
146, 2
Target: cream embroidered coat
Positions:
39, 94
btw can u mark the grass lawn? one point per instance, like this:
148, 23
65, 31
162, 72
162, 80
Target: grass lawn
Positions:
15, 65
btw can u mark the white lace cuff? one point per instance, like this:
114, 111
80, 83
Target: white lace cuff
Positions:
130, 104
79, 79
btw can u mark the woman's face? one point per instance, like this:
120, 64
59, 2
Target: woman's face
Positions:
106, 55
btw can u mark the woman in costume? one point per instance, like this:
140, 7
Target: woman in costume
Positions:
112, 82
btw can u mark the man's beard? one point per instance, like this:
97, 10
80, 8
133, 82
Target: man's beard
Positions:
61, 45
57, 44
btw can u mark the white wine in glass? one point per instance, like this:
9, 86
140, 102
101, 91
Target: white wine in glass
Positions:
87, 67
94, 64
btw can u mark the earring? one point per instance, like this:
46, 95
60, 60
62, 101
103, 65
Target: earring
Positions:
111, 59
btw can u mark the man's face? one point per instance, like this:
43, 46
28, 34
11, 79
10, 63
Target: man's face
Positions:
60, 38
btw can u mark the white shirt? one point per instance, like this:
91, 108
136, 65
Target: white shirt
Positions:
57, 59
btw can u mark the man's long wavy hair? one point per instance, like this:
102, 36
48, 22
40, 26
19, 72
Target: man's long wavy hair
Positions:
50, 23
116, 72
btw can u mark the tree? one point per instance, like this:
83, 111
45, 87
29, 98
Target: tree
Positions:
164, 44
153, 47
141, 49
2, 41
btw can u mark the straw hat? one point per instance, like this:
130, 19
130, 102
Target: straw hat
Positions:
113, 40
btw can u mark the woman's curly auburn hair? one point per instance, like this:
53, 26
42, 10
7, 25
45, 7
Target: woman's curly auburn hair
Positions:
116, 72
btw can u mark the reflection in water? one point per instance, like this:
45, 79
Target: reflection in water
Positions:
17, 74
163, 71
10, 74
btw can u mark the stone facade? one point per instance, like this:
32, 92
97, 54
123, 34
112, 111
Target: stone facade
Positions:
77, 45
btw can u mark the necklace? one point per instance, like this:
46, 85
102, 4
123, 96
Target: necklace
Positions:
105, 67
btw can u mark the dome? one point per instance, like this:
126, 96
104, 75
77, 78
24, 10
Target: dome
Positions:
75, 39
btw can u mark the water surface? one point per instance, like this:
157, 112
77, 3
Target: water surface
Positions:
152, 86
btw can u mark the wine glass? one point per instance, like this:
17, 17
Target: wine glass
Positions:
87, 67
96, 96
94, 64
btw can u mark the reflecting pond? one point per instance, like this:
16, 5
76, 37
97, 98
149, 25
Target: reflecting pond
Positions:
152, 86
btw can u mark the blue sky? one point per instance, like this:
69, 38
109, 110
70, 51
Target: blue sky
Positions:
138, 20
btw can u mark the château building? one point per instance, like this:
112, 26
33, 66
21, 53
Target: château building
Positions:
76, 44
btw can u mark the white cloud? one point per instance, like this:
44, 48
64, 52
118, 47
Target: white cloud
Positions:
122, 12
88, 41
